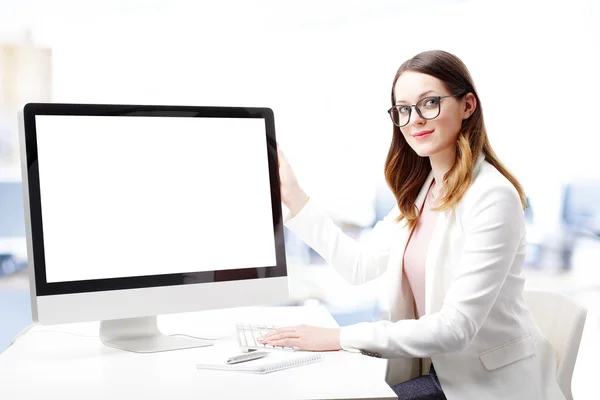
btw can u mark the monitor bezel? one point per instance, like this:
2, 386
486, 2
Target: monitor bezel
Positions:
35, 219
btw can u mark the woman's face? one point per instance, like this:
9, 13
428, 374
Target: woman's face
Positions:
434, 136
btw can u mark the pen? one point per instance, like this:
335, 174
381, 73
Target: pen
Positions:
247, 357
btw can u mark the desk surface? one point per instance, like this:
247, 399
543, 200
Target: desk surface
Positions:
55, 362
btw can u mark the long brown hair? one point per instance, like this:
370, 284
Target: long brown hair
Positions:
406, 171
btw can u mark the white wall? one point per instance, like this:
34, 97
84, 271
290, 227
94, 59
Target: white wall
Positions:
326, 69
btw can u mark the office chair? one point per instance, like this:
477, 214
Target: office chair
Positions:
561, 321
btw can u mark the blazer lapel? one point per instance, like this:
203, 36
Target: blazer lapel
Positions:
433, 251
433, 246
432, 256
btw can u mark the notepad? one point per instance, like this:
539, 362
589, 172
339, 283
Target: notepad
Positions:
274, 361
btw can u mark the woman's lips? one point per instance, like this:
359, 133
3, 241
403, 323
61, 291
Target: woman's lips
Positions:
423, 134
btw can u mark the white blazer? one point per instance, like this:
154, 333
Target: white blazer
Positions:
477, 329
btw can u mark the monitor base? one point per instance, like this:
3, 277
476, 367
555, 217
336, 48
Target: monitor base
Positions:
141, 335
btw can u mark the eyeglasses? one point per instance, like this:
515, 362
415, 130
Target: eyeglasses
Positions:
427, 108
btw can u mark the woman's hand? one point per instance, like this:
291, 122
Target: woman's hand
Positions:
304, 337
292, 195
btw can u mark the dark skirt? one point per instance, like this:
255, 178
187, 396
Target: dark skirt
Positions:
426, 387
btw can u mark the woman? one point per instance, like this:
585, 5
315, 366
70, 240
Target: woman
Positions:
452, 251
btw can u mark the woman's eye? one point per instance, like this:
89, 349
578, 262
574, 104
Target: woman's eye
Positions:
403, 110
431, 102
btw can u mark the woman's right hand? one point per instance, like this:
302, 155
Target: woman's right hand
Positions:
292, 195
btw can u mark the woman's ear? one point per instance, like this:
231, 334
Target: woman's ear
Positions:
470, 104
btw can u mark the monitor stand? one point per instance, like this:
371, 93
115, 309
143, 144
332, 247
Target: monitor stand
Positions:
141, 335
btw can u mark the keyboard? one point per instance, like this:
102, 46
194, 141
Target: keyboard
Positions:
247, 334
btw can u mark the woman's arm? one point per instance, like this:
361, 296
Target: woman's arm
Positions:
493, 227
357, 261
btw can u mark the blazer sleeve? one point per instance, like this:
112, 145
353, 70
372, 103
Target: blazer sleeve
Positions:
357, 261
493, 225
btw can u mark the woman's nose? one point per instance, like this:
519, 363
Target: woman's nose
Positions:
416, 118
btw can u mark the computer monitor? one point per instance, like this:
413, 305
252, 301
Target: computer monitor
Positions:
133, 211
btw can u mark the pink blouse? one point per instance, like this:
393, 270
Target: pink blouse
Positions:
416, 251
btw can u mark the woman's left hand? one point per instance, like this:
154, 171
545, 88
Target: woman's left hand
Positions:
304, 337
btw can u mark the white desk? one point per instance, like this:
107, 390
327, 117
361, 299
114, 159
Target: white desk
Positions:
58, 365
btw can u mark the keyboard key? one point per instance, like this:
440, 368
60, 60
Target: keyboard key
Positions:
249, 338
242, 338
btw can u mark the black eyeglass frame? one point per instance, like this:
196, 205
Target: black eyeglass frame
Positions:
417, 109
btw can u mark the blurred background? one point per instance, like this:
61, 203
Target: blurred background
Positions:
326, 69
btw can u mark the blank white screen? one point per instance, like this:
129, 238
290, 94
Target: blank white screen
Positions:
137, 196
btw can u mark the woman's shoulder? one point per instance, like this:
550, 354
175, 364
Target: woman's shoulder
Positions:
489, 186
